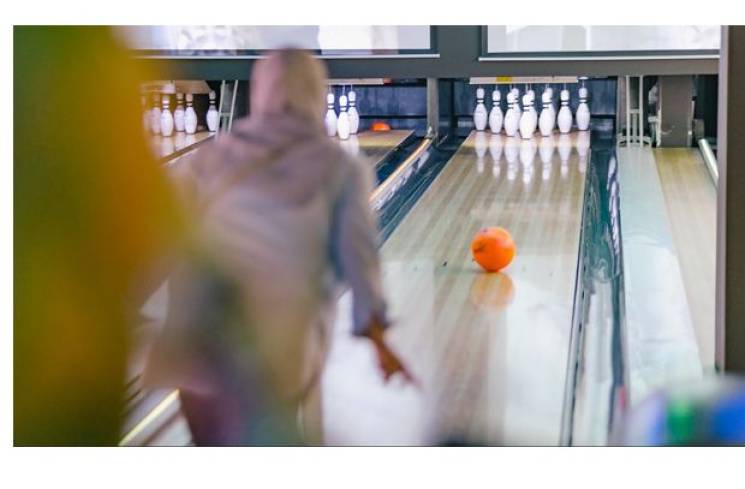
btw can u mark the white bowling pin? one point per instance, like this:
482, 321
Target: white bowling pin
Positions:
213, 117
331, 117
583, 111
519, 110
178, 114
565, 113
512, 118
546, 121
190, 115
479, 114
354, 116
342, 123
495, 115
155, 115
166, 118
528, 119
550, 91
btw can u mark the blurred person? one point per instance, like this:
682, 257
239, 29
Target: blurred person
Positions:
91, 212
286, 211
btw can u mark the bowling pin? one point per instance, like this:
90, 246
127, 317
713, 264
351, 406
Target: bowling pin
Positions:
519, 111
546, 121
528, 119
550, 91
565, 113
583, 111
512, 118
354, 116
331, 118
342, 123
178, 114
155, 115
213, 118
166, 119
190, 116
495, 116
480, 115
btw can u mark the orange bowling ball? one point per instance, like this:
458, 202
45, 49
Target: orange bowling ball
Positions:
378, 126
493, 248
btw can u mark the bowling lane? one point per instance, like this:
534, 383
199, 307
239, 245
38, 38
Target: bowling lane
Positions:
691, 201
662, 337
179, 143
490, 350
375, 146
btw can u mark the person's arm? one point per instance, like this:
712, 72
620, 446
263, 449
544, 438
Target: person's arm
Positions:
355, 252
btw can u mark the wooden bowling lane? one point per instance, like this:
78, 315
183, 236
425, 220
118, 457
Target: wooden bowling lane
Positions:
489, 350
691, 201
179, 143
375, 146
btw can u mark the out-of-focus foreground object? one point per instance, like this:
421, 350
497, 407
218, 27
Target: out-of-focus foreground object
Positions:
706, 413
91, 212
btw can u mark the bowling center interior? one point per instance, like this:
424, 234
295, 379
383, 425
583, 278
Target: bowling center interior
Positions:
558, 228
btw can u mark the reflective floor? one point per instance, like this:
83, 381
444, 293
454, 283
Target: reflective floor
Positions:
668, 220
374, 146
490, 350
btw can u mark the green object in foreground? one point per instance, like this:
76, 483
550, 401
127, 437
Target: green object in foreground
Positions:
681, 422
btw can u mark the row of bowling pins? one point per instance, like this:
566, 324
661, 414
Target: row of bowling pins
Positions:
525, 151
160, 120
526, 120
347, 122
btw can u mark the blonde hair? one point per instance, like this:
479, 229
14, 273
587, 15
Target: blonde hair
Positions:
289, 80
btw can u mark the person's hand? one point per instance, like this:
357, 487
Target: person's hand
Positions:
388, 361
390, 364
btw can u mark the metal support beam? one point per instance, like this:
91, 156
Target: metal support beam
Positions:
730, 279
433, 108
676, 110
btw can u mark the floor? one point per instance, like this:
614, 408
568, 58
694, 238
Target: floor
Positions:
488, 349
667, 221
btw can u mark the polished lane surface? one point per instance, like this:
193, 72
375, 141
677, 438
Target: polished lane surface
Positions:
691, 200
661, 343
489, 350
375, 146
